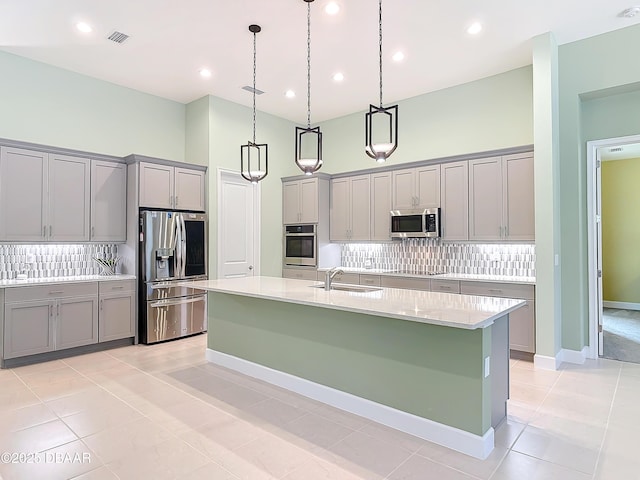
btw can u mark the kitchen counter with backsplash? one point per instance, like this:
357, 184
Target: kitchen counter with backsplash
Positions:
70, 279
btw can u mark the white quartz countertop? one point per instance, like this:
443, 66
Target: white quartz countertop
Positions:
447, 309
443, 276
58, 280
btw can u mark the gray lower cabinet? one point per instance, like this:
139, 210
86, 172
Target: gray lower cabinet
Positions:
411, 283
44, 318
522, 332
299, 273
116, 313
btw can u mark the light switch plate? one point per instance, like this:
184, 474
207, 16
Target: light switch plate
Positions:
487, 366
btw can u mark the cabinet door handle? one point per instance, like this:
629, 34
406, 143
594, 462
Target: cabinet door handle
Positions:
50, 230
176, 198
58, 309
117, 288
101, 303
93, 232
51, 310
56, 292
495, 290
506, 231
44, 230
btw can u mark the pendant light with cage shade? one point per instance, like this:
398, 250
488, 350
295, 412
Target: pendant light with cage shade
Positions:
381, 123
308, 140
254, 157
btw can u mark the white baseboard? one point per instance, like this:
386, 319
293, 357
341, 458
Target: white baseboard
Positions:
621, 305
563, 356
474, 445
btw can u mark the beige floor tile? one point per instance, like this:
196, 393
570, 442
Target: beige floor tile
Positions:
318, 469
273, 455
349, 420
581, 408
62, 388
313, 431
117, 442
229, 433
102, 473
535, 377
273, 412
567, 449
396, 437
89, 399
184, 416
25, 417
236, 397
526, 395
92, 362
482, 469
419, 468
166, 460
64, 462
615, 466
507, 432
520, 413
38, 367
41, 379
209, 471
17, 397
517, 466
366, 456
597, 387
89, 422
37, 438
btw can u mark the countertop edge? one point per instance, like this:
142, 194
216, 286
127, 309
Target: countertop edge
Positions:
60, 280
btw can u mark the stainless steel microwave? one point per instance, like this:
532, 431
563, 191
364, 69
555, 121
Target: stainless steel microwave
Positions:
415, 223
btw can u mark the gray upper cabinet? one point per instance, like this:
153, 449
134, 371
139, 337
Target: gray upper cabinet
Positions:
156, 185
44, 197
108, 201
454, 196
23, 187
381, 206
189, 189
501, 198
69, 198
350, 208
300, 201
166, 186
415, 188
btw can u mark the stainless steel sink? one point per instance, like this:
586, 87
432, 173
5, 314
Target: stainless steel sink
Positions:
349, 288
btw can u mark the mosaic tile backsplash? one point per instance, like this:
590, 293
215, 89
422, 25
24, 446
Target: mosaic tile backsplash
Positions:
44, 261
427, 255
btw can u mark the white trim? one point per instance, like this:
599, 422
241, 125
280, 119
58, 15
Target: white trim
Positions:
592, 250
621, 305
574, 356
474, 445
546, 363
257, 204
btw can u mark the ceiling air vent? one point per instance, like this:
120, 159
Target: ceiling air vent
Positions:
615, 149
250, 90
118, 37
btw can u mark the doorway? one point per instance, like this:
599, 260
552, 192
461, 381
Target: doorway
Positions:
614, 259
238, 226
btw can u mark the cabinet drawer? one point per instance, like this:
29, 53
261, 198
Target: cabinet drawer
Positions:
352, 278
406, 282
299, 274
366, 279
446, 286
490, 289
116, 286
58, 290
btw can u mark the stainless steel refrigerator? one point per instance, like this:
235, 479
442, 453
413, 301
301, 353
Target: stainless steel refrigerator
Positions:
173, 249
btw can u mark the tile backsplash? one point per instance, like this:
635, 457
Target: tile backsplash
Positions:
427, 255
43, 261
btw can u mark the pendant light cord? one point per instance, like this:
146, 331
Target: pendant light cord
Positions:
254, 87
380, 45
308, 65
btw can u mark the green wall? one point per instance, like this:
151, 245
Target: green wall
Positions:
488, 114
592, 73
431, 371
51, 106
621, 230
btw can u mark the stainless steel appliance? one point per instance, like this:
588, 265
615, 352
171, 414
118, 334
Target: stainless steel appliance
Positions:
173, 249
300, 245
415, 223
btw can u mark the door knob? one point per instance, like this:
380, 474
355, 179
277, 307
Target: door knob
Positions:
250, 267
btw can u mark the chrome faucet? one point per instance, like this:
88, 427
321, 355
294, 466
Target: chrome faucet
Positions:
328, 276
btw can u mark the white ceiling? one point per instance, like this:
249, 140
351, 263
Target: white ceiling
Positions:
172, 39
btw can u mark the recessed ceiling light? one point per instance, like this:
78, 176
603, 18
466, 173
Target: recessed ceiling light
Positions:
84, 27
289, 94
475, 28
205, 72
332, 8
630, 12
398, 56
338, 77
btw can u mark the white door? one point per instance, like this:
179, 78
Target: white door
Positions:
238, 227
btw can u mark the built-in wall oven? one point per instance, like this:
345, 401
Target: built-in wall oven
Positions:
173, 251
300, 245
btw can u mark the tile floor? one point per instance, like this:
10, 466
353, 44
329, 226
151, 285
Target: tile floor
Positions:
162, 412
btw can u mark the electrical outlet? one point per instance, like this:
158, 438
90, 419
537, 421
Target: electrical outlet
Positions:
487, 366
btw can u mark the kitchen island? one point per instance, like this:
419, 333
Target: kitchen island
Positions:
431, 364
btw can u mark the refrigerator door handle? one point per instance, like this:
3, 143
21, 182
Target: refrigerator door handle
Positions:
183, 246
178, 248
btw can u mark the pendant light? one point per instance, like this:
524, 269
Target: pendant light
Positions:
254, 157
308, 140
381, 124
